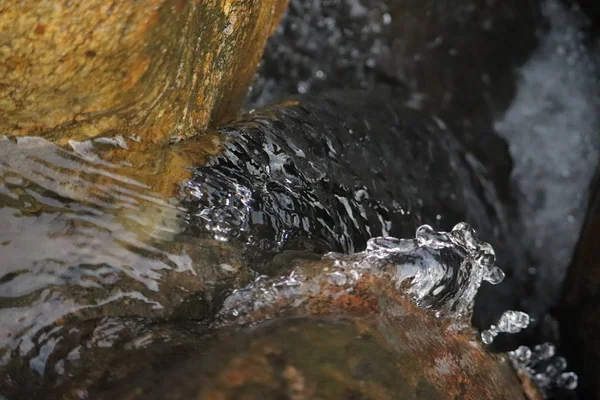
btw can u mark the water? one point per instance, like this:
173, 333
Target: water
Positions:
81, 239
544, 367
439, 271
510, 322
322, 45
552, 129
317, 189
93, 254
460, 63
86, 237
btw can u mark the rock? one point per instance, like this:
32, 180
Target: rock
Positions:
358, 337
328, 358
158, 70
578, 312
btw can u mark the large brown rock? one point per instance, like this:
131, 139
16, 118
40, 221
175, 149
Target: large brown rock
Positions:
339, 339
155, 69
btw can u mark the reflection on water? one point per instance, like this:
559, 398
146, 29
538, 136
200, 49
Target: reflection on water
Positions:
76, 234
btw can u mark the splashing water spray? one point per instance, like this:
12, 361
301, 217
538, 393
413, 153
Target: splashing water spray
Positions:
439, 271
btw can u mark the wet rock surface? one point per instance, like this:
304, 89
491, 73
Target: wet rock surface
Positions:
578, 311
329, 337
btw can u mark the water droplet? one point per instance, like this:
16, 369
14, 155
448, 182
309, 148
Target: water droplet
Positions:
522, 354
509, 322
544, 367
494, 276
487, 337
465, 235
513, 321
567, 380
302, 87
545, 351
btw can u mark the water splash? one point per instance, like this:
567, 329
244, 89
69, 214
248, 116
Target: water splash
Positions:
546, 369
510, 322
304, 188
441, 271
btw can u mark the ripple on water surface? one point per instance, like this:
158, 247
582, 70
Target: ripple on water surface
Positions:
75, 235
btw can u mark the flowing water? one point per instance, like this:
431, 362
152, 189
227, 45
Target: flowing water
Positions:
93, 256
547, 109
75, 235
438, 270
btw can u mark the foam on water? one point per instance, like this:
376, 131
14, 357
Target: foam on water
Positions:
440, 271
